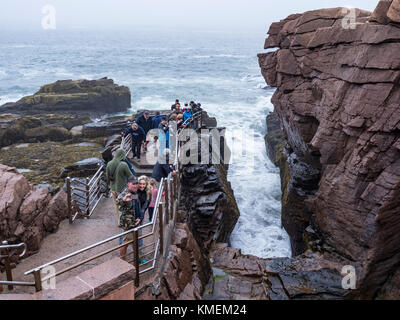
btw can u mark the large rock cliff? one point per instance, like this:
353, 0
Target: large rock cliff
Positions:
337, 98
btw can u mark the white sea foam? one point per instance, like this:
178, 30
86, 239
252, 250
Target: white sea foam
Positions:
9, 98
233, 56
151, 103
253, 78
163, 81
3, 74
256, 187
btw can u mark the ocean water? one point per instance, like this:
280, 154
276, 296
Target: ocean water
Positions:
218, 69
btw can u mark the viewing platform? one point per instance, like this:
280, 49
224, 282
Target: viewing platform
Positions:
89, 240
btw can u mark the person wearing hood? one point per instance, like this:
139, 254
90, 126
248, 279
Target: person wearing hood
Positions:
117, 173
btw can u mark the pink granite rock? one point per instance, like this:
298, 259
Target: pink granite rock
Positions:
27, 213
338, 101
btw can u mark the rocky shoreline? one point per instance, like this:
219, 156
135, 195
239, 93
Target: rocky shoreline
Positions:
51, 134
334, 134
43, 139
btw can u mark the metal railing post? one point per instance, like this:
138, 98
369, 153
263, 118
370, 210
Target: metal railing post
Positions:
172, 192
87, 197
107, 186
136, 256
166, 201
7, 264
171, 199
69, 200
160, 218
38, 280
99, 184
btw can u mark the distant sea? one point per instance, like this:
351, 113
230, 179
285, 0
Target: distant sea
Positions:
218, 69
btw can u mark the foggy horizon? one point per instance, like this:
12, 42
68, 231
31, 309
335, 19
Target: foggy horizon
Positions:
194, 15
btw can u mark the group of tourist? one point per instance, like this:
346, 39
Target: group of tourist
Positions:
133, 196
140, 129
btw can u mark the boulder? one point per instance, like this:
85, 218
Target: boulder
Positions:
394, 11
381, 10
13, 189
16, 128
91, 97
82, 168
57, 211
27, 214
338, 106
309, 276
112, 144
47, 133
106, 128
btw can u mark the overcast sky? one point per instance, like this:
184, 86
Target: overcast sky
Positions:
187, 14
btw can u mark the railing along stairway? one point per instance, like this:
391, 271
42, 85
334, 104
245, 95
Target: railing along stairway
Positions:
154, 234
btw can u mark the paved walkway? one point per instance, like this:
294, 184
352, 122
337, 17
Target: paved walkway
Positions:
69, 238
83, 233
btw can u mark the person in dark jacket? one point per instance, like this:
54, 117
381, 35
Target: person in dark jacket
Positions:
138, 135
162, 168
173, 107
146, 123
156, 120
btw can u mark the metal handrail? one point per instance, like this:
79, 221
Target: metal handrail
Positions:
91, 194
158, 218
191, 119
98, 173
5, 245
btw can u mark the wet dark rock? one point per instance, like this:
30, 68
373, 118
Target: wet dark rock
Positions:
90, 97
186, 273
306, 277
112, 144
211, 208
105, 128
83, 168
16, 128
274, 139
